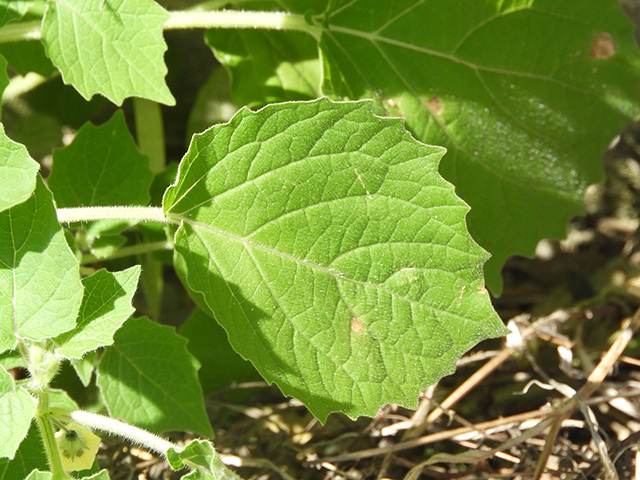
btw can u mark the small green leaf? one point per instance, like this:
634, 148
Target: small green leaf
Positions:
267, 67
61, 399
17, 409
101, 475
12, 10
30, 456
101, 167
324, 241
38, 475
40, 289
114, 48
106, 305
84, 367
153, 359
17, 172
201, 455
104, 247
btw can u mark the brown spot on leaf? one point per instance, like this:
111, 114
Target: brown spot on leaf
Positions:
356, 325
435, 105
603, 46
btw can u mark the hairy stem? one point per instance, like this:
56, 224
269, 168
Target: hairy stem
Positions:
124, 430
88, 214
48, 437
24, 31
240, 19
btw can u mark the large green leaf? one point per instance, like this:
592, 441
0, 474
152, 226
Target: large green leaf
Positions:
327, 245
525, 95
40, 289
114, 48
101, 167
17, 172
148, 378
17, 409
105, 307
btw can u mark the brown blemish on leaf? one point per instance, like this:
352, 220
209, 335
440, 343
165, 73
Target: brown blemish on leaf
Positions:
603, 46
435, 105
356, 325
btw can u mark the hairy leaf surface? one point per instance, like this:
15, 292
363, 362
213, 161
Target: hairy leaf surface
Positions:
17, 409
105, 307
40, 289
328, 246
114, 48
17, 172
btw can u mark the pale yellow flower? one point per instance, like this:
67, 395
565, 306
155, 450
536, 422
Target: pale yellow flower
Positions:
78, 447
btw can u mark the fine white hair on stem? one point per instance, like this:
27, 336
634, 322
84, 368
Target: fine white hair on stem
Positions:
116, 427
85, 214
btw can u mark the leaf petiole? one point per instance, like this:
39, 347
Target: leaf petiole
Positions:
26, 31
88, 214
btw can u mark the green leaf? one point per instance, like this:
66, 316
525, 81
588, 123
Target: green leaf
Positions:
30, 456
17, 172
201, 455
101, 475
267, 67
17, 409
148, 378
101, 167
84, 367
325, 242
38, 475
12, 10
59, 398
39, 133
208, 342
106, 305
104, 247
212, 105
40, 289
514, 90
114, 48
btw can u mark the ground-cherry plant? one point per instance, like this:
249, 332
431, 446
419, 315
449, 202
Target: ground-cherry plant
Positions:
317, 225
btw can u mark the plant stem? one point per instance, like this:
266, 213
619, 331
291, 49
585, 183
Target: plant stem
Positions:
24, 31
19, 85
88, 214
241, 19
129, 251
20, 32
116, 427
150, 132
48, 437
